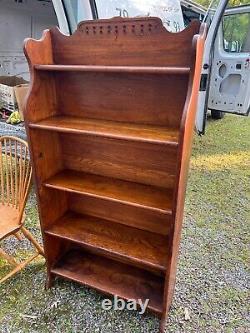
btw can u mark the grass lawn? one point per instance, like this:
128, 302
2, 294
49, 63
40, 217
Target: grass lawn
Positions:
213, 278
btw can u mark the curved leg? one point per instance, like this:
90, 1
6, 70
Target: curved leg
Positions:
29, 236
18, 268
18, 236
7, 257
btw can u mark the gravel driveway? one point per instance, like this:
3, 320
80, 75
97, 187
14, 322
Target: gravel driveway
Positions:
10, 130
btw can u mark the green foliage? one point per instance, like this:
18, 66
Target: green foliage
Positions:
232, 3
236, 30
236, 27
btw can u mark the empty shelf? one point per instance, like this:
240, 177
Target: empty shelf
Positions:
111, 129
143, 248
112, 278
115, 69
135, 194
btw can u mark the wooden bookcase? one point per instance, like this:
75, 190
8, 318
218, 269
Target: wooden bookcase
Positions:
110, 118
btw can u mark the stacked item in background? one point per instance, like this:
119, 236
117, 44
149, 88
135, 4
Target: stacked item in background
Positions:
13, 91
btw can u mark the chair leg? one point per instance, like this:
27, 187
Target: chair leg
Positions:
18, 236
18, 268
7, 257
29, 236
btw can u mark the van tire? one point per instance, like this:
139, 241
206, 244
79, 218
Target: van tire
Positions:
216, 114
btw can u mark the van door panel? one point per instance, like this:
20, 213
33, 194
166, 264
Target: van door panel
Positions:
229, 89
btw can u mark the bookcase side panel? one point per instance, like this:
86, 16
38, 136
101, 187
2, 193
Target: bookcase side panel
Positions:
46, 152
186, 138
44, 147
41, 101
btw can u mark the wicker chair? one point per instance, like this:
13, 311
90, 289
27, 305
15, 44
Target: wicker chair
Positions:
15, 179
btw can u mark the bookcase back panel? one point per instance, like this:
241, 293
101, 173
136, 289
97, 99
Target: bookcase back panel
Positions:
147, 99
144, 41
146, 163
134, 216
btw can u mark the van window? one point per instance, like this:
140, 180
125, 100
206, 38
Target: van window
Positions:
76, 11
236, 31
168, 10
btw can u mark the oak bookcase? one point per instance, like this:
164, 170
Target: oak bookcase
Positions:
110, 117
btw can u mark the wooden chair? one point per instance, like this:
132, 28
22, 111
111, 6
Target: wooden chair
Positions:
15, 179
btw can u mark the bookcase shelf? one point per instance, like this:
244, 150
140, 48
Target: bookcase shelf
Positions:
112, 278
110, 117
116, 69
128, 193
110, 129
115, 240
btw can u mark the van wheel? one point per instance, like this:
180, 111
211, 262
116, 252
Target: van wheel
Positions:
215, 114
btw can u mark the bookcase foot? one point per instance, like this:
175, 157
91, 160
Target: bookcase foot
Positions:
49, 281
163, 325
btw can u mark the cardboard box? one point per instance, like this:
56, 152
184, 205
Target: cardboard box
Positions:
7, 92
21, 92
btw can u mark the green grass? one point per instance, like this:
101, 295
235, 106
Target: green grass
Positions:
212, 279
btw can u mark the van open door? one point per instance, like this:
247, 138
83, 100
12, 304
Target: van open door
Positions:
225, 87
229, 89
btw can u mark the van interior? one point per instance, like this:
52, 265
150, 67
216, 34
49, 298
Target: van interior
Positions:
20, 19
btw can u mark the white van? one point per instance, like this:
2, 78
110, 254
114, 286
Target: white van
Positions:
225, 79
